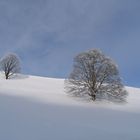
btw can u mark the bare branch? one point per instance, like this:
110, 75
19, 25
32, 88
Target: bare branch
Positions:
10, 64
95, 75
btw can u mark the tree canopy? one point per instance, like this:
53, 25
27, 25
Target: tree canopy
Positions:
97, 76
10, 64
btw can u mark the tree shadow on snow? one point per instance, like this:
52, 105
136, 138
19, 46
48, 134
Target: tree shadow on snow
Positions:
18, 76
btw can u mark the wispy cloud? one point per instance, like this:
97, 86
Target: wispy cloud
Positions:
47, 34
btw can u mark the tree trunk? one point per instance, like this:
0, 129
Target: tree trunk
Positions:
7, 76
93, 97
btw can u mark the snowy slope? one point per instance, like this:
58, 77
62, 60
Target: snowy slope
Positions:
37, 108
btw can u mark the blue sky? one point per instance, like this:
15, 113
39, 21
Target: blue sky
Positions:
47, 34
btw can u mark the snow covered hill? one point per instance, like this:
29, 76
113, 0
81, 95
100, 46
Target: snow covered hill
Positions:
37, 108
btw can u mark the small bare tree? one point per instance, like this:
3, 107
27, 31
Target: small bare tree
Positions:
97, 76
10, 64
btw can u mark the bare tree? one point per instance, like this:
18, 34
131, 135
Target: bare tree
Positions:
96, 76
10, 64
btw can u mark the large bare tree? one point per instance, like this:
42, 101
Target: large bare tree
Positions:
10, 64
96, 76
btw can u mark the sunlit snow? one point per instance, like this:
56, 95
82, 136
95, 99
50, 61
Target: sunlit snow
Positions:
37, 108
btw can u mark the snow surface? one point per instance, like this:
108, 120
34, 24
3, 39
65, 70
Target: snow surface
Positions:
37, 108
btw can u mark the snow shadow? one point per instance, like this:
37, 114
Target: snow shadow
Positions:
19, 76
24, 119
